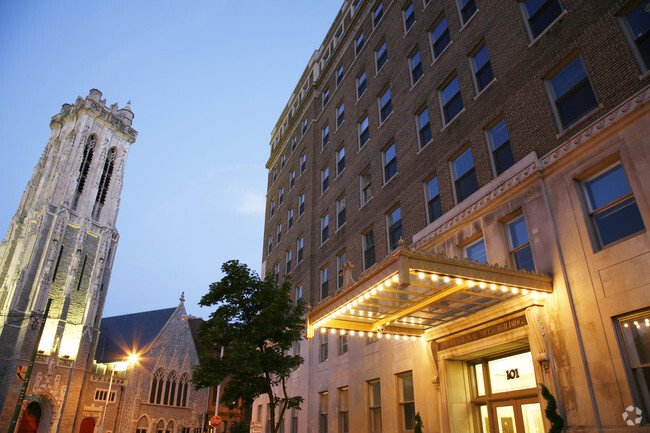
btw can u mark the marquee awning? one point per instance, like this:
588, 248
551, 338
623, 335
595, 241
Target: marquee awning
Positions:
411, 293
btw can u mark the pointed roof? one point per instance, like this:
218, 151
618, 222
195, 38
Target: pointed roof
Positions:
122, 335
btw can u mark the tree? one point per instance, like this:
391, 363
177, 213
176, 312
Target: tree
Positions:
257, 323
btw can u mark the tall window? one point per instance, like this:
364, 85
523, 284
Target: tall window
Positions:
292, 179
613, 211
361, 84
325, 135
500, 147
303, 162
324, 228
341, 258
339, 75
305, 123
289, 218
343, 343
381, 55
415, 63
294, 143
182, 391
377, 13
294, 420
281, 195
325, 179
322, 416
322, 348
520, 245
283, 161
636, 24
394, 225
482, 69
451, 100
340, 212
409, 17
272, 209
287, 261
269, 244
324, 283
275, 173
572, 93
358, 44
385, 106
475, 252
326, 97
540, 14
344, 411
406, 400
301, 204
340, 115
170, 388
366, 186
634, 330
440, 37
340, 160
389, 160
364, 132
465, 175
300, 248
374, 406
157, 387
368, 249
424, 127
104, 182
86, 160
278, 233
298, 297
434, 205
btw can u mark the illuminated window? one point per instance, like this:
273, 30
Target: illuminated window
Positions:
634, 330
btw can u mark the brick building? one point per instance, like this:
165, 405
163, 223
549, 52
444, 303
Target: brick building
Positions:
459, 191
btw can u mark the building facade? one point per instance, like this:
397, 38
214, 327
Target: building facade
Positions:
459, 191
61, 245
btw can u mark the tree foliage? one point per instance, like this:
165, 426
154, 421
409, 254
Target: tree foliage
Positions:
257, 323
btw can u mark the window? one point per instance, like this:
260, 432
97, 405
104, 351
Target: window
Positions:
340, 160
424, 127
283, 161
358, 44
572, 93
440, 37
104, 182
325, 179
298, 297
465, 175
482, 69
294, 143
452, 103
406, 400
341, 258
301, 204
381, 55
278, 233
304, 125
287, 256
340, 115
634, 330
409, 17
340, 212
415, 63
361, 84
326, 97
339, 75
612, 208
475, 252
390, 162
294, 420
368, 249
540, 14
84, 167
467, 10
385, 106
322, 417
269, 244
374, 406
280, 195
275, 173
364, 132
636, 25
520, 245
272, 210
344, 411
394, 225
323, 346
434, 205
289, 218
500, 147
100, 395
157, 387
326, 135
339, 34
300, 248
377, 14
292, 179
276, 271
326, 58
366, 186
303, 162
324, 284
324, 228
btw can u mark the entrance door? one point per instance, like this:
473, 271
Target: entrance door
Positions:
87, 425
518, 416
31, 418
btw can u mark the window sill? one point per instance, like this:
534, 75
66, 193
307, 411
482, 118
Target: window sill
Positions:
409, 29
338, 126
645, 75
382, 68
359, 97
415, 84
421, 148
442, 53
468, 21
390, 180
547, 29
453, 120
339, 173
575, 125
485, 88
384, 121
366, 203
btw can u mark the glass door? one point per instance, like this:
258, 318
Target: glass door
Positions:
518, 416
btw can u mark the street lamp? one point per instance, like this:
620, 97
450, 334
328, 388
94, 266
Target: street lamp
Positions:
119, 366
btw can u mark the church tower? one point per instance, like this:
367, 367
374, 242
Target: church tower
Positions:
61, 245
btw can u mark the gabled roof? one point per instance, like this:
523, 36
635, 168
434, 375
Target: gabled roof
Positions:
123, 335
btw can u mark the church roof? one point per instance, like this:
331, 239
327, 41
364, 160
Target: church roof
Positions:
123, 335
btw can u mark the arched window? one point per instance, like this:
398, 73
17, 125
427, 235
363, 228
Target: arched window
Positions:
142, 425
170, 388
160, 427
182, 391
84, 167
104, 182
170, 427
156, 386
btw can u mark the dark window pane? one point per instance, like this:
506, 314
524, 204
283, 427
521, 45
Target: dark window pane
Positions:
577, 102
441, 37
541, 14
607, 188
435, 209
466, 185
468, 7
524, 259
618, 221
503, 158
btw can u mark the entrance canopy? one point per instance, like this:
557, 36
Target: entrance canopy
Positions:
413, 292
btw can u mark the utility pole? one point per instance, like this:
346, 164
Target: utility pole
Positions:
23, 388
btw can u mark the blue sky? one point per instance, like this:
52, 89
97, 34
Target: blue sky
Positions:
207, 81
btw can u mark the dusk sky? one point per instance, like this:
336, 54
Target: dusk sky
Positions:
207, 81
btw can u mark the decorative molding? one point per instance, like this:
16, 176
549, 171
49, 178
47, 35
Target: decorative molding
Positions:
101, 110
515, 322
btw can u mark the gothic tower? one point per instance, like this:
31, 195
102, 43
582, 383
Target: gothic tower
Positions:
61, 245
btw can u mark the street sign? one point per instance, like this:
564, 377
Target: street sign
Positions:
33, 398
256, 427
215, 421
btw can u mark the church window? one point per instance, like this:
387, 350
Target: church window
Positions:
183, 388
104, 182
170, 388
142, 425
156, 386
84, 167
160, 427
